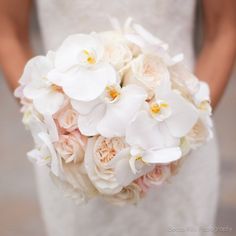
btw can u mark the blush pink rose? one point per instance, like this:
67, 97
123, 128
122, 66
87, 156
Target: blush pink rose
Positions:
156, 177
70, 147
67, 119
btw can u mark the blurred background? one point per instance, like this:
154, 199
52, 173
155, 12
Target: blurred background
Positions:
19, 209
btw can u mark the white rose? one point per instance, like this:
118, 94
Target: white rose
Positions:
147, 71
75, 183
130, 194
99, 162
117, 51
183, 80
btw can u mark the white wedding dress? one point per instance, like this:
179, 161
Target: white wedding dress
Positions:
182, 206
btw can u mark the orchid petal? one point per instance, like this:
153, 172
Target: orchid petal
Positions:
52, 128
84, 108
184, 115
50, 103
162, 156
164, 88
35, 89
203, 94
87, 85
67, 54
55, 162
35, 69
146, 133
123, 171
150, 38
88, 123
120, 113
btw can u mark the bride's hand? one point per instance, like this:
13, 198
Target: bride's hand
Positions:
15, 48
217, 56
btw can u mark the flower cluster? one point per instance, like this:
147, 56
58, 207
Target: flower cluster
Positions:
112, 113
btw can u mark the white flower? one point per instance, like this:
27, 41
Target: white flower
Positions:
158, 129
109, 116
46, 154
80, 69
33, 121
130, 194
202, 130
148, 71
70, 147
47, 97
75, 183
100, 159
75, 174
116, 50
41, 155
130, 166
157, 176
183, 80
138, 35
67, 119
198, 135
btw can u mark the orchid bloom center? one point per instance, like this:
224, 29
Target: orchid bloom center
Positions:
205, 106
112, 93
138, 158
56, 88
89, 57
160, 110
156, 108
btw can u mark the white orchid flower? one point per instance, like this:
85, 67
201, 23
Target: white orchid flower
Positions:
158, 129
46, 96
110, 114
45, 154
129, 166
138, 35
80, 69
203, 103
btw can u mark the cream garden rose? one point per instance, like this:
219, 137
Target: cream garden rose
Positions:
100, 158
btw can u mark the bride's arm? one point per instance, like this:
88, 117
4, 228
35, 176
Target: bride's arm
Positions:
217, 56
14, 38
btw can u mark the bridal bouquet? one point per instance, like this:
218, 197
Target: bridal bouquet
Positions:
112, 113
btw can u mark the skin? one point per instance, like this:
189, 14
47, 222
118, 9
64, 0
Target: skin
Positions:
214, 63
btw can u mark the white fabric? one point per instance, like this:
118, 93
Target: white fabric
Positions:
185, 204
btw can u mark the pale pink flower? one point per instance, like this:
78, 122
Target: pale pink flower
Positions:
130, 194
70, 147
155, 177
68, 119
